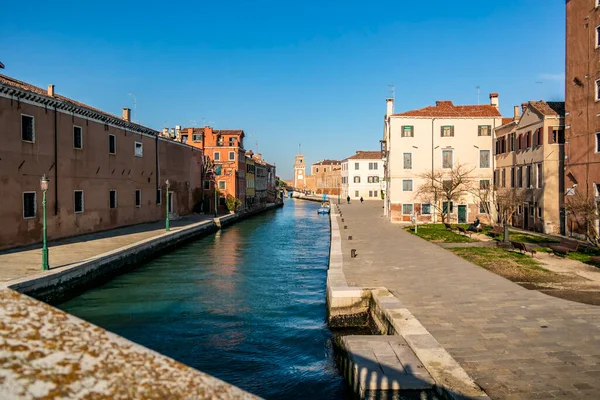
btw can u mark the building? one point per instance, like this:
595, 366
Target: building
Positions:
105, 171
362, 175
300, 173
436, 140
225, 148
260, 178
327, 177
529, 154
250, 181
582, 125
272, 189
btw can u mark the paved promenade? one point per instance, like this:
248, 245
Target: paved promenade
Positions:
20, 263
515, 343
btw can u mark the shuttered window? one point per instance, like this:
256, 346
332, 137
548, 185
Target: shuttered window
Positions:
407, 160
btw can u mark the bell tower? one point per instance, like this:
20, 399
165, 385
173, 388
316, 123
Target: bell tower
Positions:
299, 173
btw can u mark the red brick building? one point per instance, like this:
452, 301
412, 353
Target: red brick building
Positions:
582, 124
105, 171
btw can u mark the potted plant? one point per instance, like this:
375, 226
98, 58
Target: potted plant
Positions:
232, 203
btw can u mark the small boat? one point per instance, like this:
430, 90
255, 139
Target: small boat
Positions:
325, 206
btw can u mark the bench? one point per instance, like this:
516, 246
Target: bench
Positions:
497, 230
595, 260
448, 226
523, 247
564, 247
463, 230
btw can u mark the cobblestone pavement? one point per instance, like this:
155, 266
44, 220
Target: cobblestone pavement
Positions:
27, 261
515, 343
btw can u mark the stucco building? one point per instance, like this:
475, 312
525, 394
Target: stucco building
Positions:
300, 172
326, 177
582, 125
432, 139
105, 171
362, 175
529, 154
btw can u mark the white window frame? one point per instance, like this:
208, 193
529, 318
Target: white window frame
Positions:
224, 185
489, 158
32, 125
597, 139
426, 213
356, 166
217, 156
75, 202
354, 179
403, 159
135, 149
231, 156
195, 137
34, 204
412, 208
597, 35
135, 199
411, 185
115, 140
116, 199
81, 130
597, 89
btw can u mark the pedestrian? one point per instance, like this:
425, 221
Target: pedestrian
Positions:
348, 198
361, 199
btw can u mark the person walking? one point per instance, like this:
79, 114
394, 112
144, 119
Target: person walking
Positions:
348, 198
361, 199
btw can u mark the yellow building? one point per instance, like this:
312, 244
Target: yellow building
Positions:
250, 181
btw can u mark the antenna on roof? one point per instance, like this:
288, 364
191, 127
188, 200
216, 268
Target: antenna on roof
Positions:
478, 93
392, 90
299, 148
134, 105
1, 66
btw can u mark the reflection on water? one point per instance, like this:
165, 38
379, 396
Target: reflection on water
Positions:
246, 305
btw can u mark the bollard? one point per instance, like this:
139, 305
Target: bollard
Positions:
349, 237
342, 219
345, 226
353, 253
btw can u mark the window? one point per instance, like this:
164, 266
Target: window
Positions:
232, 141
426, 209
139, 149
531, 210
372, 165
447, 156
370, 193
206, 185
407, 209
197, 137
77, 137
217, 156
445, 207
78, 201
232, 155
158, 196
317, 169
528, 177
598, 90
484, 184
519, 210
484, 130
374, 193
29, 206
408, 131
356, 166
324, 169
597, 36
27, 128
447, 130
512, 177
484, 158
357, 179
138, 198
598, 142
496, 175
407, 185
528, 136
503, 177
356, 193
540, 176
222, 185
112, 144
112, 199
407, 160
539, 212
519, 177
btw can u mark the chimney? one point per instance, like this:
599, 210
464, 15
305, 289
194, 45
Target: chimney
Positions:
259, 156
178, 132
165, 132
494, 100
127, 114
517, 116
51, 90
390, 107
208, 131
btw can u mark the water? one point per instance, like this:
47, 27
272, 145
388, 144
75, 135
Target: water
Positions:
246, 305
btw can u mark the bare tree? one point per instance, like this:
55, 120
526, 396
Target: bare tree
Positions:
507, 204
484, 193
445, 186
584, 211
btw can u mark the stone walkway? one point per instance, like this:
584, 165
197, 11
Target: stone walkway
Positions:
24, 262
515, 343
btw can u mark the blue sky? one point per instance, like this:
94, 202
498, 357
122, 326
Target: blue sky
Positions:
310, 72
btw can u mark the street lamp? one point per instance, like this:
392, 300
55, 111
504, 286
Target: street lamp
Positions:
44, 186
167, 228
215, 185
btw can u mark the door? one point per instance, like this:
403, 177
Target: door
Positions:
462, 214
170, 203
526, 218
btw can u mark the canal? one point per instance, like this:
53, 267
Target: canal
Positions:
246, 305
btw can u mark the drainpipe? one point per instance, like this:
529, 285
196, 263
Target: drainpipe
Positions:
55, 161
432, 172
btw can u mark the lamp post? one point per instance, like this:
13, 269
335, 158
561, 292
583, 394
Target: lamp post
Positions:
215, 183
167, 228
44, 186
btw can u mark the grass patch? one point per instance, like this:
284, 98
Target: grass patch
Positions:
512, 265
583, 254
527, 238
440, 234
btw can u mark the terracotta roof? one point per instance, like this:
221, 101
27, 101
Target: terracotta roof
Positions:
365, 155
550, 108
445, 108
507, 121
327, 162
219, 131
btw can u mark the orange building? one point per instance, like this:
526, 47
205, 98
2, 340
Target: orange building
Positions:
225, 148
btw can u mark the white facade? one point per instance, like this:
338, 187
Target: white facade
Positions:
418, 142
362, 177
